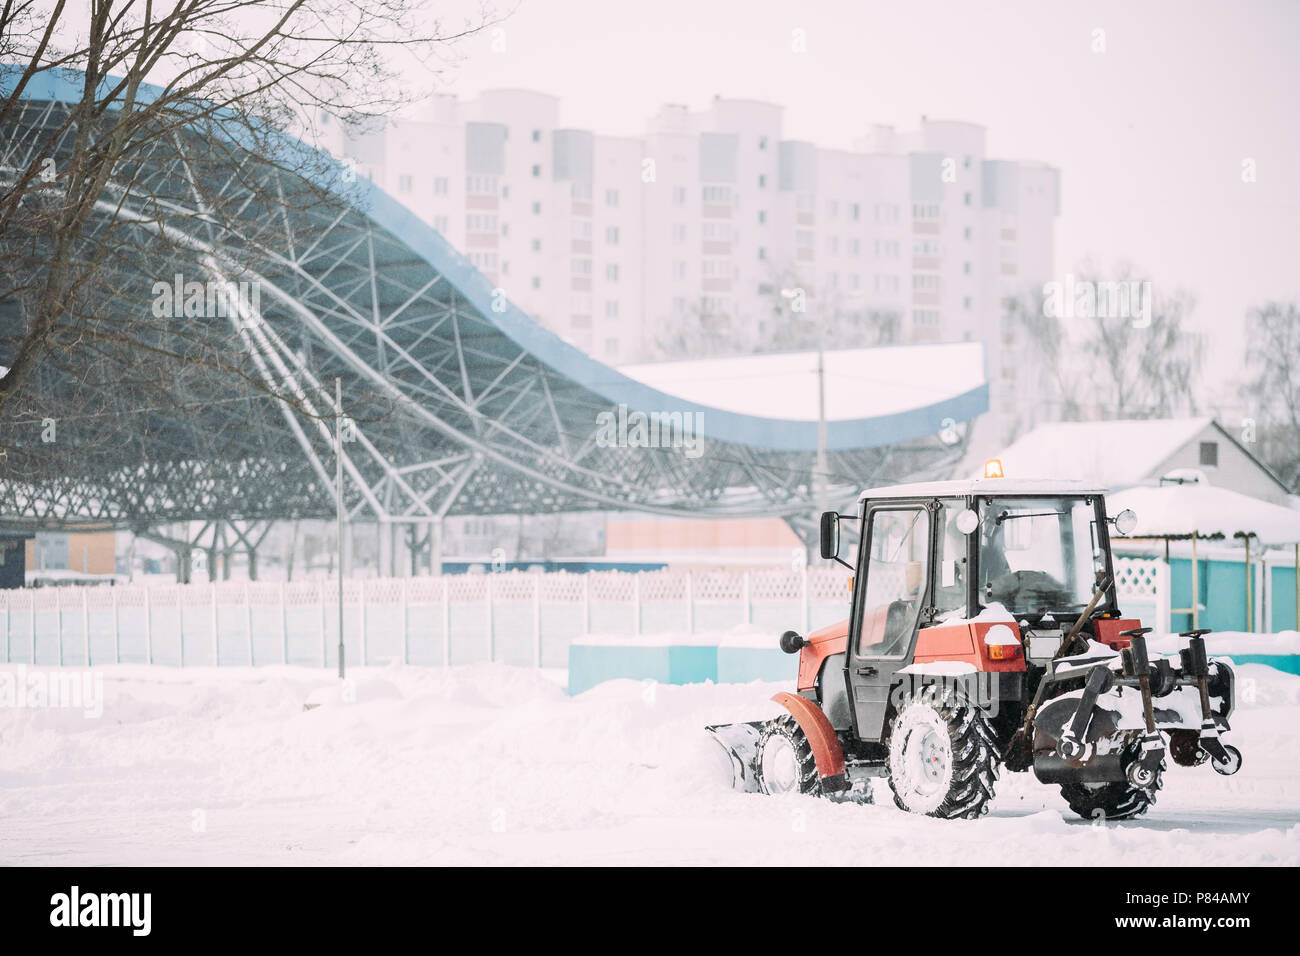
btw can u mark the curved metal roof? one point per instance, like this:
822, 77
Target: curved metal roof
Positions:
487, 411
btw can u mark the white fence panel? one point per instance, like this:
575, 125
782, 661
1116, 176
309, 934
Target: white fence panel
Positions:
517, 617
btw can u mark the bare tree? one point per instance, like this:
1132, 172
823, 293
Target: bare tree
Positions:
1273, 388
1117, 350
236, 71
178, 150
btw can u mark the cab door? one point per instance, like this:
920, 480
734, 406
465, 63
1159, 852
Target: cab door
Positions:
893, 596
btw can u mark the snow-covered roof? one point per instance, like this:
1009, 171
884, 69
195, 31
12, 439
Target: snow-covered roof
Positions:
1113, 454
961, 487
860, 383
1179, 510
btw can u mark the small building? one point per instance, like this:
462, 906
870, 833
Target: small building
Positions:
1122, 454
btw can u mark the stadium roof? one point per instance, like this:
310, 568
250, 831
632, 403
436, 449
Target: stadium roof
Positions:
489, 411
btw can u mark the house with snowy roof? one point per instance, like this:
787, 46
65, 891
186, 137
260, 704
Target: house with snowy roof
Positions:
1122, 454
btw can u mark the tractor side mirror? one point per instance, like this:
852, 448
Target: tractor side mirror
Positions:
830, 535
967, 521
1126, 522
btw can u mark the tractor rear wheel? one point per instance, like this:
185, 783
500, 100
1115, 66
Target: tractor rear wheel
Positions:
943, 759
784, 761
1117, 800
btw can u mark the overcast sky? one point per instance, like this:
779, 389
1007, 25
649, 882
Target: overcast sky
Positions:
1149, 135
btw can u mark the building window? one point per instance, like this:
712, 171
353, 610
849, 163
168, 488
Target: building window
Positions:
966, 198
855, 211
716, 194
581, 267
679, 270
537, 209
611, 310
762, 216
537, 136
966, 233
679, 233
611, 346
965, 267
762, 181
611, 272
537, 282
967, 302
1210, 454
440, 223
404, 184
537, 245
537, 171
762, 142
440, 186
762, 253
611, 197
611, 235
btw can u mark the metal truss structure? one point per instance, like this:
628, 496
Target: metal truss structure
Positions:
455, 401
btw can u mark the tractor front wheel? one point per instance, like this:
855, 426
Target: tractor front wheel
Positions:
784, 762
943, 758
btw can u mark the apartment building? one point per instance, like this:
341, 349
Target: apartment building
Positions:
617, 244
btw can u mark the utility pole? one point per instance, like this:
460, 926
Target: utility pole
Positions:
338, 501
819, 479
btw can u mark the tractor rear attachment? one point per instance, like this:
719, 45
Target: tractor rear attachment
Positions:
1112, 729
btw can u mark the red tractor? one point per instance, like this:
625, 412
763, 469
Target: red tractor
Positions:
984, 631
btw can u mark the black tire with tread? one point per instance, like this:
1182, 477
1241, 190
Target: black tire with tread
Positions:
788, 727
1118, 800
975, 756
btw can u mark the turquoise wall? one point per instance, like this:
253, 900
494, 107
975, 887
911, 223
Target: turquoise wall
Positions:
1223, 595
1283, 600
1222, 587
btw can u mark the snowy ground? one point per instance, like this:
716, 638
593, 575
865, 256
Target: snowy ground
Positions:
489, 764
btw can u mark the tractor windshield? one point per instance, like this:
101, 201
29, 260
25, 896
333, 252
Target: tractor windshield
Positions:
1038, 554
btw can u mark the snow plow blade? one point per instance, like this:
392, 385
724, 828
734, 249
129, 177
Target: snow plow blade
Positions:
740, 743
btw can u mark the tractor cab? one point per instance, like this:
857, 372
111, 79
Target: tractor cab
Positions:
950, 576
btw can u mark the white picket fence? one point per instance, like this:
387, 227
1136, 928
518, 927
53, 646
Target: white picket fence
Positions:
518, 617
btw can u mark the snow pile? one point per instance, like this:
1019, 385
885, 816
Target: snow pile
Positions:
490, 764
1231, 642
994, 612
